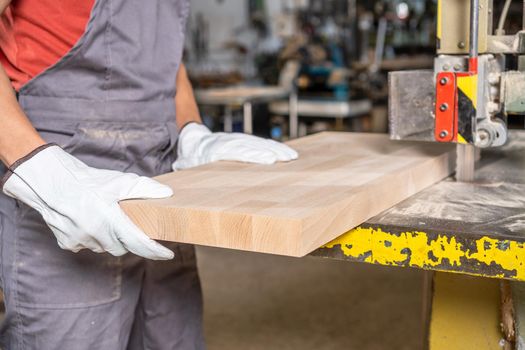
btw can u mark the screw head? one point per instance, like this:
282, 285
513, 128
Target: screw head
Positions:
443, 81
443, 107
484, 138
443, 134
457, 67
461, 44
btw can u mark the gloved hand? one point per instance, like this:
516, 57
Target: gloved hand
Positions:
80, 203
197, 145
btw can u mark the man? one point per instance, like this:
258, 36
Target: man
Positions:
101, 95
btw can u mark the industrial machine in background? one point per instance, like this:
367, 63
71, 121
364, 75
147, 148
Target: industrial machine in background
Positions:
346, 49
343, 45
476, 85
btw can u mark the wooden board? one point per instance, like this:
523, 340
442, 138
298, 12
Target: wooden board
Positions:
339, 181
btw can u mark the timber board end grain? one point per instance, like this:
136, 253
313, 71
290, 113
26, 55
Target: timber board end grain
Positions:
217, 229
340, 181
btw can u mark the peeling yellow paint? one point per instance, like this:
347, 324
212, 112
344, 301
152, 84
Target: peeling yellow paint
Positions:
509, 255
416, 249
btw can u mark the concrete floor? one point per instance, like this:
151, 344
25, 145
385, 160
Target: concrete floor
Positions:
264, 302
255, 301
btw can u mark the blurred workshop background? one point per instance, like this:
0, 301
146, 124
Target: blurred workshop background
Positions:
324, 61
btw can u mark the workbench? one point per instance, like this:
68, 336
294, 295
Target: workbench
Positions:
245, 96
475, 229
333, 109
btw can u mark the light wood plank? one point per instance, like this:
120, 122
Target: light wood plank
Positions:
339, 181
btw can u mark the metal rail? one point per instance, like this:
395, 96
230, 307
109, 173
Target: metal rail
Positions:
474, 33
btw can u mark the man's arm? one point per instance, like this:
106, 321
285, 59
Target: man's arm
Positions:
3, 5
185, 104
17, 136
47, 176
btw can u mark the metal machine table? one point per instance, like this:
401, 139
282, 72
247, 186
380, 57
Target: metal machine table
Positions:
476, 229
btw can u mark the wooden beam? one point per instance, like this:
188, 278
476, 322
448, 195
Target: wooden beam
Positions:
339, 181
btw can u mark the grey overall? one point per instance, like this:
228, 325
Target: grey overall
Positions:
109, 102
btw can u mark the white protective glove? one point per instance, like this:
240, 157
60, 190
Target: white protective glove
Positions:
80, 203
197, 145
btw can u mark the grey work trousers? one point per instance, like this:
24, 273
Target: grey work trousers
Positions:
57, 299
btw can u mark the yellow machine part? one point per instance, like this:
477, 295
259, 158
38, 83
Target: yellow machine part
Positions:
453, 26
439, 253
465, 313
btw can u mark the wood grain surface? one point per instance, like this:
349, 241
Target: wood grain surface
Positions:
339, 181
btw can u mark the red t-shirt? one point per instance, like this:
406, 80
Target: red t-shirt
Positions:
35, 34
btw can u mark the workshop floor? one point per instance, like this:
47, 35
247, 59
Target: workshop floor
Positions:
263, 302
